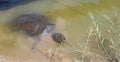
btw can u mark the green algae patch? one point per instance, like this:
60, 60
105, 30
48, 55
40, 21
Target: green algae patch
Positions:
7, 38
82, 9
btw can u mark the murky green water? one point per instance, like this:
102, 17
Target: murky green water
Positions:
71, 18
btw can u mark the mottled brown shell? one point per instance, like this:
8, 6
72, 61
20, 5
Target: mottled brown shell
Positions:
32, 24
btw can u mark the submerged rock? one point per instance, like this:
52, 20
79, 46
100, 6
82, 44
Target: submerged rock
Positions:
7, 4
58, 37
34, 24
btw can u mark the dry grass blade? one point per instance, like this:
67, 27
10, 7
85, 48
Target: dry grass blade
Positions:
109, 46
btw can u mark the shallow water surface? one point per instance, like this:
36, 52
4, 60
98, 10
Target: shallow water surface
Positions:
71, 19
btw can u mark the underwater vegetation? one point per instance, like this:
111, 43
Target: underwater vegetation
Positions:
7, 4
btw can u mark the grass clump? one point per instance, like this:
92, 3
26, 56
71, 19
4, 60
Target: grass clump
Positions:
103, 39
